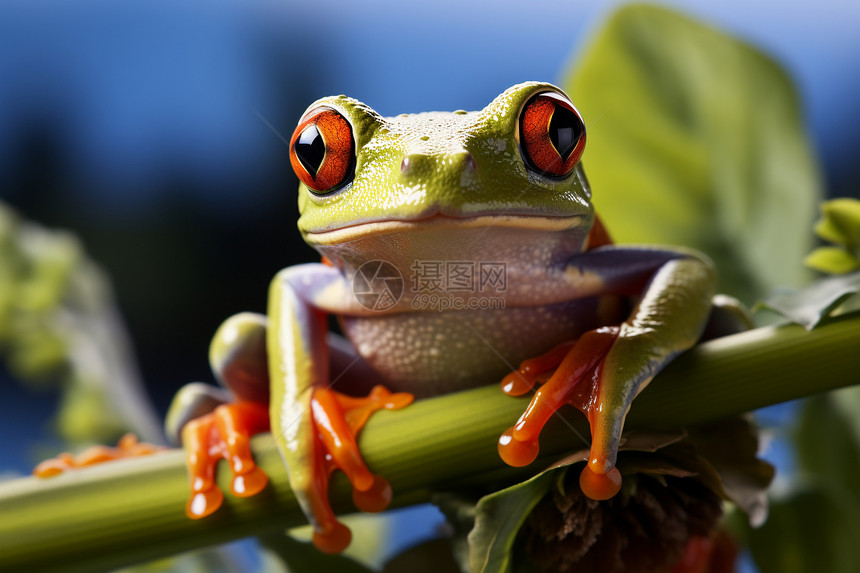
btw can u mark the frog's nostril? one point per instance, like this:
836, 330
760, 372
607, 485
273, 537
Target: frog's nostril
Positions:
469, 163
415, 163
406, 165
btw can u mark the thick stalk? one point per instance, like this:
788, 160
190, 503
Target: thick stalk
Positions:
130, 511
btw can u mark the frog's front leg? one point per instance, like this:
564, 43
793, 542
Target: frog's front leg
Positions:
606, 368
314, 426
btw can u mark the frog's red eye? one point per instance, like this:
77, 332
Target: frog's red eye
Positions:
552, 135
322, 151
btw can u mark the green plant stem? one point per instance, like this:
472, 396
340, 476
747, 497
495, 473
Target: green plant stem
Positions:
132, 510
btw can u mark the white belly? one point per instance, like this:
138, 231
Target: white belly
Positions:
430, 353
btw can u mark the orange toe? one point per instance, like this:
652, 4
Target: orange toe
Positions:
333, 541
127, 447
375, 498
600, 486
533, 370
224, 433
517, 453
203, 503
338, 419
575, 381
249, 484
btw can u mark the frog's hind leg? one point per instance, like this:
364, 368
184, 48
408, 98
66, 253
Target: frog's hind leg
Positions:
314, 426
190, 402
217, 423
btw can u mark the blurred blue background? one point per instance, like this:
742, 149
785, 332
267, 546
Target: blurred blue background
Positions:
154, 130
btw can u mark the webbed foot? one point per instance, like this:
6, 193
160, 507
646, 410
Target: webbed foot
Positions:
223, 433
337, 419
568, 374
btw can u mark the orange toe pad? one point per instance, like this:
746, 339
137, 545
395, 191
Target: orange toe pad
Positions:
224, 433
337, 419
575, 380
127, 447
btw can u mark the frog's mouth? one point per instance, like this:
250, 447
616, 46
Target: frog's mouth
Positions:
362, 229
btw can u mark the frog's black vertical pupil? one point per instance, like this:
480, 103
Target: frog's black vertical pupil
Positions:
565, 129
310, 149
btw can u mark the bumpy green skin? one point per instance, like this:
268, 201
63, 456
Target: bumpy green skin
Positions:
454, 187
437, 145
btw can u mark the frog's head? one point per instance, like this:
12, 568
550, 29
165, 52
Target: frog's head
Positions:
513, 164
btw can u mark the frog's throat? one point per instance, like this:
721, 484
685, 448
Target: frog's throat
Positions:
438, 221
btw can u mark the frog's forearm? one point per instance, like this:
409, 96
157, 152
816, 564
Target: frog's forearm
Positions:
320, 286
668, 319
604, 370
298, 362
314, 426
621, 269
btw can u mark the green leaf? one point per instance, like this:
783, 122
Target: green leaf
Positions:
696, 139
840, 223
370, 532
817, 529
832, 260
730, 447
828, 443
847, 403
58, 324
499, 517
809, 306
86, 415
302, 557
811, 531
459, 509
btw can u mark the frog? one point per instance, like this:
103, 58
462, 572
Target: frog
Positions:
458, 249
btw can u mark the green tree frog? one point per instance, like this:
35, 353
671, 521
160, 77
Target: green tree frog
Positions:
454, 245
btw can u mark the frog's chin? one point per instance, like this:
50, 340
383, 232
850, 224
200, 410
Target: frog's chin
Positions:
439, 221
